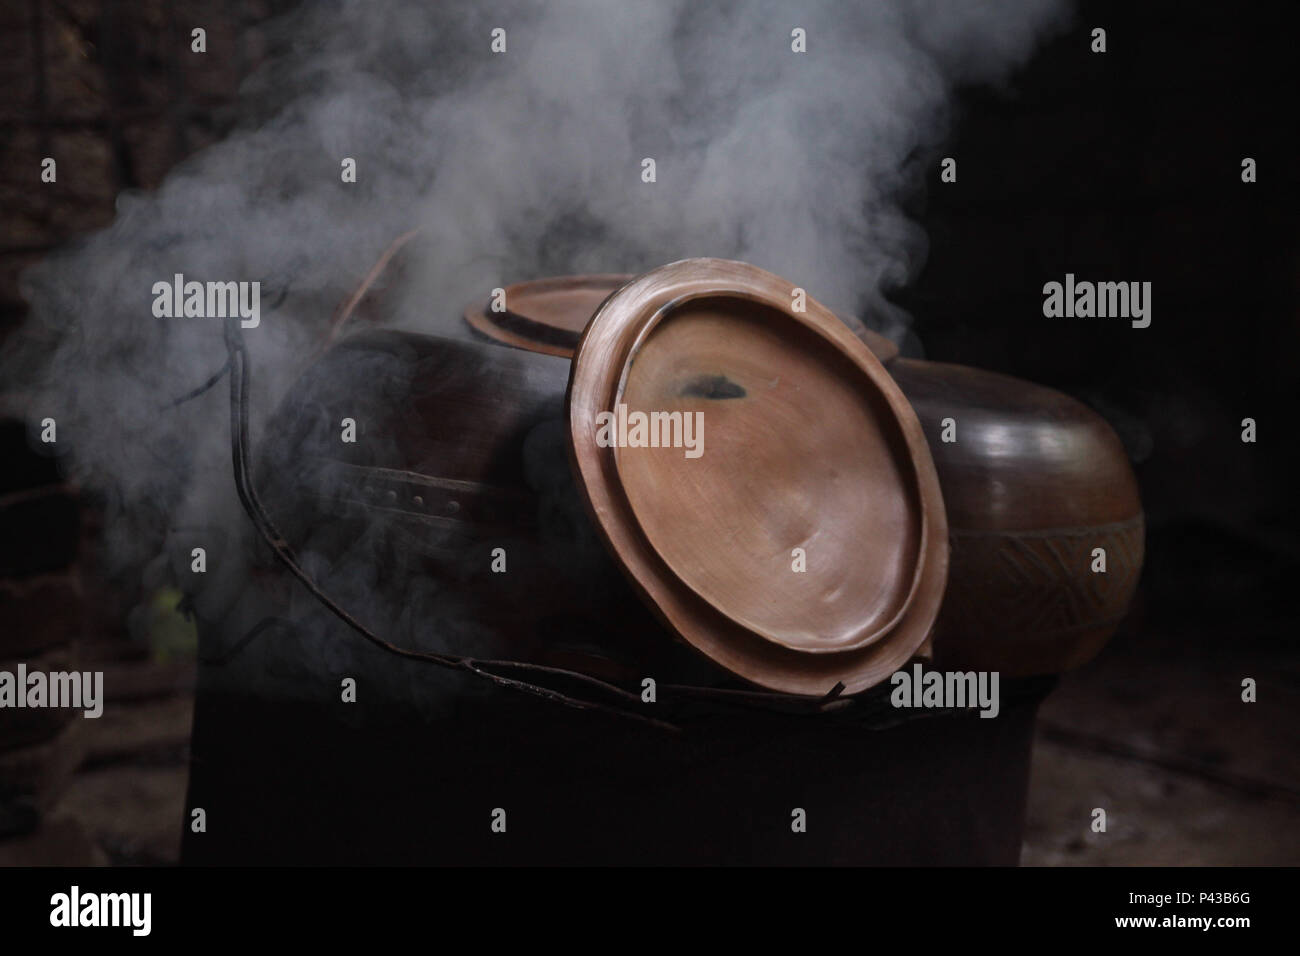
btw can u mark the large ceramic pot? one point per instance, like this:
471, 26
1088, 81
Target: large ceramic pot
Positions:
483, 469
1038, 492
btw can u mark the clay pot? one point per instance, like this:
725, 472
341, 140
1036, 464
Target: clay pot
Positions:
463, 452
465, 449
456, 505
751, 549
1033, 484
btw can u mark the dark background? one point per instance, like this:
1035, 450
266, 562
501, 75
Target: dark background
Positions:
1127, 166
1120, 166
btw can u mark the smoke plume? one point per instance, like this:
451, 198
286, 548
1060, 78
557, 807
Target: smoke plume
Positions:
512, 165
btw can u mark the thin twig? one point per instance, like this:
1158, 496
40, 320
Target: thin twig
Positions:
196, 392
349, 305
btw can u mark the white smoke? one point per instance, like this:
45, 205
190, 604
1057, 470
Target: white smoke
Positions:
513, 165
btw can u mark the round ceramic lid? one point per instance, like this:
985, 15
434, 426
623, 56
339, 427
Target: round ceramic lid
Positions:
548, 315
759, 476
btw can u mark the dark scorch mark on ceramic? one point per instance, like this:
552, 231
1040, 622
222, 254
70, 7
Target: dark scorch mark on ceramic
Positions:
713, 386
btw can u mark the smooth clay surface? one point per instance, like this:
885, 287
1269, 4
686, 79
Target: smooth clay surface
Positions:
792, 434
807, 444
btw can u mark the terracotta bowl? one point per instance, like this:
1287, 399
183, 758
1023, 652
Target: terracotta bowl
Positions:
806, 544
